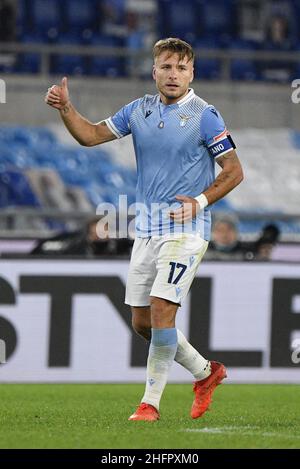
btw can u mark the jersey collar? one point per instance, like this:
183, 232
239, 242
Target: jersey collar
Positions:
179, 103
186, 98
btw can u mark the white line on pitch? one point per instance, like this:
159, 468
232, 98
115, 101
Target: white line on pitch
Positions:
241, 430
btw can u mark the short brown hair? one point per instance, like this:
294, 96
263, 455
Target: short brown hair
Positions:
175, 46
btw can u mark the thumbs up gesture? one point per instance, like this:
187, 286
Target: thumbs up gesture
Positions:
57, 96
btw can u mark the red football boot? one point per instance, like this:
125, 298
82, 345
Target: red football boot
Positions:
145, 412
204, 389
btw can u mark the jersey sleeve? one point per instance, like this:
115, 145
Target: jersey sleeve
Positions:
214, 133
119, 123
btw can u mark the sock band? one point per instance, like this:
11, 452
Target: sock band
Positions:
162, 337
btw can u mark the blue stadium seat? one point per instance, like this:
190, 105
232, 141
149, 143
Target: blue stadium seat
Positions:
34, 38
106, 65
23, 146
207, 68
22, 18
8, 63
116, 7
95, 156
243, 69
19, 156
70, 168
6, 155
80, 14
178, 18
30, 62
278, 70
47, 156
69, 64
92, 169
41, 136
295, 139
295, 70
217, 18
46, 14
96, 193
26, 135
15, 190
295, 74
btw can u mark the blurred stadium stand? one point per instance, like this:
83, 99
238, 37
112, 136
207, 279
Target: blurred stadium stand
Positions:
237, 39
37, 171
247, 53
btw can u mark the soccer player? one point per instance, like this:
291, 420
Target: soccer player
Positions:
177, 138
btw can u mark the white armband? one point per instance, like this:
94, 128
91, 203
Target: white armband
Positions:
202, 201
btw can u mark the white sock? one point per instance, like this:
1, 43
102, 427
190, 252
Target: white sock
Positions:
190, 359
161, 355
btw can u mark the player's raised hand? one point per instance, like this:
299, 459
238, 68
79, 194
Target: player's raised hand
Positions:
187, 211
58, 95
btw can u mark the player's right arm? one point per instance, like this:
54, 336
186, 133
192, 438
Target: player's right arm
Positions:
84, 131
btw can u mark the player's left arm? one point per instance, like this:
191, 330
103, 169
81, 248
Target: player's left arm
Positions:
230, 177
222, 148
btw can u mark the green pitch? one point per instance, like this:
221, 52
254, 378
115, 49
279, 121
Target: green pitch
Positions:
95, 416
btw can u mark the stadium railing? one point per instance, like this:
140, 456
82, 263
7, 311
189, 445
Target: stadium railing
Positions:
225, 56
11, 222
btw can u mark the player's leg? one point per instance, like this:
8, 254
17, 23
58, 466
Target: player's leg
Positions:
186, 354
162, 350
178, 260
177, 263
141, 321
186, 252
142, 272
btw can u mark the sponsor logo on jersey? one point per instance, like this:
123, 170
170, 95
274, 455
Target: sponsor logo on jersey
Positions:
214, 111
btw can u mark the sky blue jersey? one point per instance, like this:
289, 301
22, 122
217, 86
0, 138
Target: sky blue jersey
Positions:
175, 147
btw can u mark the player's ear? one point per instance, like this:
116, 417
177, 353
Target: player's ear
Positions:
192, 75
154, 72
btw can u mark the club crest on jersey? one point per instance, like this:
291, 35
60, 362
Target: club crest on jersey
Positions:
183, 119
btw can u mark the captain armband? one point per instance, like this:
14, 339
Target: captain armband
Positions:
222, 146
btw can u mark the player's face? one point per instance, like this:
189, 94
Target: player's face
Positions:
172, 76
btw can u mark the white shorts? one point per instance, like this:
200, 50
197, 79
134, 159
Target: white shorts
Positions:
163, 266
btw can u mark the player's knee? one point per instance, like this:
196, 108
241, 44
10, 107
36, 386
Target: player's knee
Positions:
141, 328
162, 313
